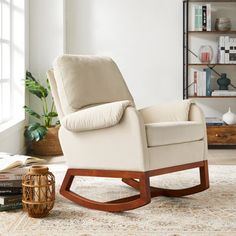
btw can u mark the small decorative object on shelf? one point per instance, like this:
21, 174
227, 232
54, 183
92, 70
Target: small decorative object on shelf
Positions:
38, 191
229, 118
223, 24
205, 54
223, 82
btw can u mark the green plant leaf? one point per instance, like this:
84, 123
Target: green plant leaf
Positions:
48, 85
35, 132
52, 114
36, 88
29, 76
31, 112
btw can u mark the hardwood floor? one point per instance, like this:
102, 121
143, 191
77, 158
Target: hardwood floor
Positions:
222, 157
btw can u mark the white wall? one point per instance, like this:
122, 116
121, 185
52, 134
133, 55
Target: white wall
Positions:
144, 38
46, 38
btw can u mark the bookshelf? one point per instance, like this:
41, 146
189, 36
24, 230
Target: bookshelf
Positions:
189, 34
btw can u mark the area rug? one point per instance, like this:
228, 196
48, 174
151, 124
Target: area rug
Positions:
212, 212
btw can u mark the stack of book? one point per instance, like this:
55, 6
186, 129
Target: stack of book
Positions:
200, 82
11, 189
201, 17
12, 170
227, 50
214, 121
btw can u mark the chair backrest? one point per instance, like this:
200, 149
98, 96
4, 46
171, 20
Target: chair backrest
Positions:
53, 85
83, 81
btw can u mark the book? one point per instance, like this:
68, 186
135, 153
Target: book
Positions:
10, 199
200, 82
10, 190
203, 77
208, 17
11, 183
9, 162
212, 121
196, 21
195, 83
201, 17
197, 18
221, 56
208, 81
223, 93
204, 18
191, 85
9, 207
226, 49
232, 51
15, 174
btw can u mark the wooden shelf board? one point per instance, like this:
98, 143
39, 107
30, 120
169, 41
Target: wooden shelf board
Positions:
210, 1
212, 32
220, 126
217, 64
212, 97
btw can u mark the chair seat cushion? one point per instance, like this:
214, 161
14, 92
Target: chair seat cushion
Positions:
97, 117
165, 133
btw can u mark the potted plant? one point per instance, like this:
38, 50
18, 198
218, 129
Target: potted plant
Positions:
42, 134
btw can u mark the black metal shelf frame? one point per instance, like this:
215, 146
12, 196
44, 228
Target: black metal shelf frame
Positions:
185, 47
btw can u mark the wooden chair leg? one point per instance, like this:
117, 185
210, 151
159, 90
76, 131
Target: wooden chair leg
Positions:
118, 205
155, 192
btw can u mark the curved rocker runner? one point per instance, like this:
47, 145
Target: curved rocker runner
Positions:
143, 186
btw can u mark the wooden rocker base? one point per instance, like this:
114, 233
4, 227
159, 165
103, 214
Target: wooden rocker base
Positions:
146, 192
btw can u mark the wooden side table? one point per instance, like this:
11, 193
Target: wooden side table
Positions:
221, 135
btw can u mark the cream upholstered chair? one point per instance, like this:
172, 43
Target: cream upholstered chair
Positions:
102, 133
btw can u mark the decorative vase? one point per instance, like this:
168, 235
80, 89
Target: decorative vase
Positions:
223, 82
229, 118
205, 54
49, 145
223, 24
38, 191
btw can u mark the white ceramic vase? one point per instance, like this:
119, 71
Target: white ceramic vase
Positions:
229, 118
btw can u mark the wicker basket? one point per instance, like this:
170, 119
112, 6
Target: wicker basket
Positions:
49, 146
38, 191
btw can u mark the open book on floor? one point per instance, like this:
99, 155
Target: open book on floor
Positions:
9, 162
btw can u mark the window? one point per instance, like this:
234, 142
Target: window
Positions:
5, 60
12, 58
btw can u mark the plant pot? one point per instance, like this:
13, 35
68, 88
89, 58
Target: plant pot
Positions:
49, 146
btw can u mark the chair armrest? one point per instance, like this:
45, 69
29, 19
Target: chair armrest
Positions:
167, 112
120, 147
97, 117
196, 114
